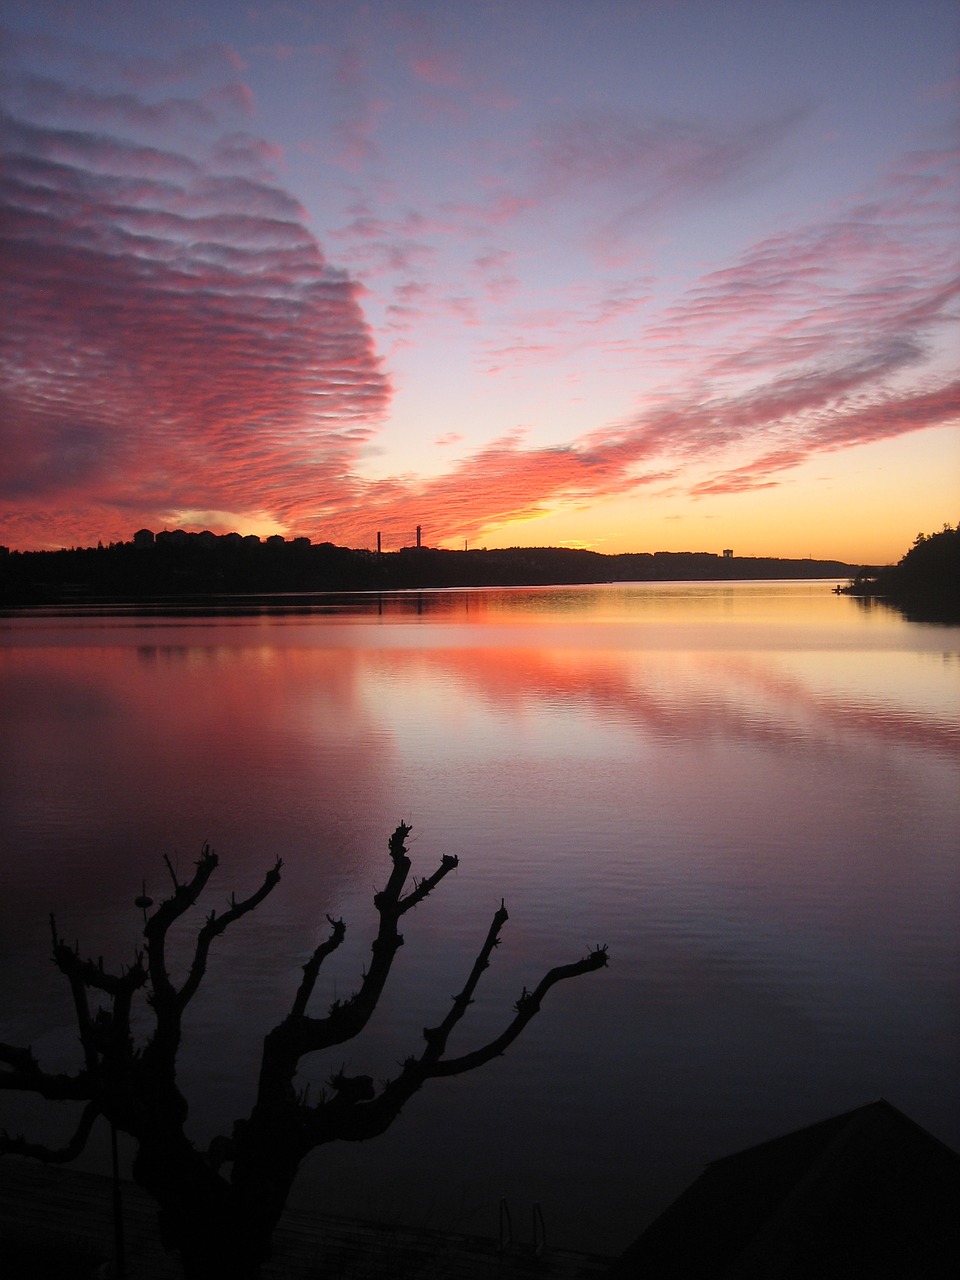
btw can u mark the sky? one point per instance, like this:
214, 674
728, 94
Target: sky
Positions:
631, 275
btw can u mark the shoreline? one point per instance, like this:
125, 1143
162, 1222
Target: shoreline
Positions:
194, 566
68, 1214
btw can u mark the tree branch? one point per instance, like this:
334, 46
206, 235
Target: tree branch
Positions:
26, 1076
84, 976
19, 1146
312, 968
447, 863
216, 925
299, 1034
527, 1007
352, 1016
171, 909
69, 963
356, 1119
436, 1037
167, 1002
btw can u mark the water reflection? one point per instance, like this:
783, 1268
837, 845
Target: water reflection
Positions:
609, 600
749, 792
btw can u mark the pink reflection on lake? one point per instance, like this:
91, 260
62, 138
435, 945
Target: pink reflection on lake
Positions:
750, 792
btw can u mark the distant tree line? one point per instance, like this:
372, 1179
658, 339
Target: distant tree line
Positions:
204, 564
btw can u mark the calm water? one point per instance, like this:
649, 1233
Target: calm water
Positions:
749, 791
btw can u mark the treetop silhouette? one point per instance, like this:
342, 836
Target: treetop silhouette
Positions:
219, 1206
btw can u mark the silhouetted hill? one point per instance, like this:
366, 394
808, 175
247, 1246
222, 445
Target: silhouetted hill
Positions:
185, 565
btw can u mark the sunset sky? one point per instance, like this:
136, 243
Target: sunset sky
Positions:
624, 274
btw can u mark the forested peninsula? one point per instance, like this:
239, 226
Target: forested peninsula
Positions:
924, 584
201, 564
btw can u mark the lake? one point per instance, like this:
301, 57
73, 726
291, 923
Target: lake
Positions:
749, 791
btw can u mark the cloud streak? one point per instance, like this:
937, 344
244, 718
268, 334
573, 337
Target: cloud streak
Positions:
180, 340
832, 323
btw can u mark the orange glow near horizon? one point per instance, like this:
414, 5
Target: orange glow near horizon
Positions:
304, 285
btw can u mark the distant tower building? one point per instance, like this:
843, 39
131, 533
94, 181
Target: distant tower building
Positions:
143, 538
418, 537
727, 553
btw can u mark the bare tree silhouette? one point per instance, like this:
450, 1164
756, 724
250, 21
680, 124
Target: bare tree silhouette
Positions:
219, 1207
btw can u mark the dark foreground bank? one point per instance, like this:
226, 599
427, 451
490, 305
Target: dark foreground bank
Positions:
57, 1223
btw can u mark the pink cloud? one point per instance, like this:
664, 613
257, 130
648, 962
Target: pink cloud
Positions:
499, 483
379, 246
180, 339
439, 70
357, 109
506, 482
46, 98
246, 153
79, 61
647, 167
880, 265
185, 64
640, 168
498, 278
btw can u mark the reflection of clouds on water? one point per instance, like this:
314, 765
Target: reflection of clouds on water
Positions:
765, 836
672, 697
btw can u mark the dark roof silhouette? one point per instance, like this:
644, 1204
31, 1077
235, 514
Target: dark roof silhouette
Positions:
865, 1194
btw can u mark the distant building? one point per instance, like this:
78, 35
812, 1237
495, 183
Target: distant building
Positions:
143, 538
728, 553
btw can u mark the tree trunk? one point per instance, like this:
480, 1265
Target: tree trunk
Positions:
199, 1217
